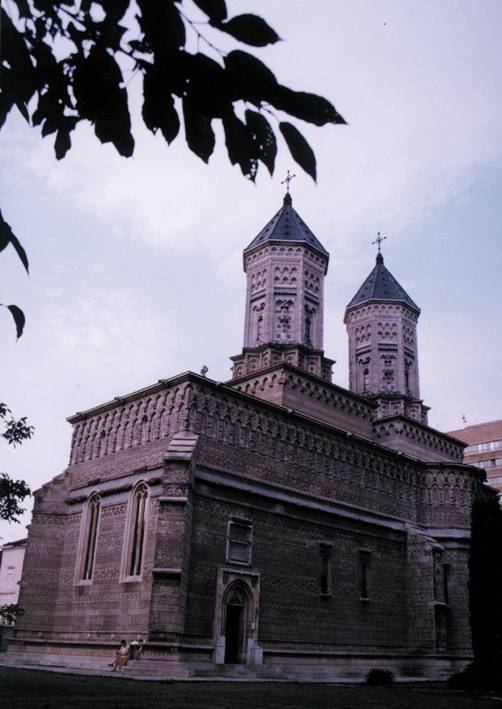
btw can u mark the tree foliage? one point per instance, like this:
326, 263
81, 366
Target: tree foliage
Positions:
9, 612
12, 492
65, 62
485, 596
485, 582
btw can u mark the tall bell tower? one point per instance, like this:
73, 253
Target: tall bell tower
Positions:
285, 266
381, 322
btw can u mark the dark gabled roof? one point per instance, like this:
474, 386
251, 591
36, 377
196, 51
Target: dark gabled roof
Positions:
381, 285
287, 225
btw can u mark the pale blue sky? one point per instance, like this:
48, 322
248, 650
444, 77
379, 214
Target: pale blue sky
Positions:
136, 270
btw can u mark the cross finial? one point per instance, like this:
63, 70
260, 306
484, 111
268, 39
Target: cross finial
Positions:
379, 240
287, 180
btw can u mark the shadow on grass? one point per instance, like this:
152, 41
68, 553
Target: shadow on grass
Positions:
32, 689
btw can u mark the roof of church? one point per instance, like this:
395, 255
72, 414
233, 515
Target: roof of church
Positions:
381, 285
287, 225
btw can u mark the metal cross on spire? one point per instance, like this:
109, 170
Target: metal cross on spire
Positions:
379, 240
287, 180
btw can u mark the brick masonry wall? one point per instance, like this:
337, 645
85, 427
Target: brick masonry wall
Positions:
286, 553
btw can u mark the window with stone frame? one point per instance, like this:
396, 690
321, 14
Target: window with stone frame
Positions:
89, 539
441, 574
136, 533
239, 541
364, 565
325, 577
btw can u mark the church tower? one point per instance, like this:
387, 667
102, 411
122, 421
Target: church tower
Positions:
285, 265
381, 322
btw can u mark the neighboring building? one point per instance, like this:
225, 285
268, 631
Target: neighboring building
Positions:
11, 568
277, 520
484, 449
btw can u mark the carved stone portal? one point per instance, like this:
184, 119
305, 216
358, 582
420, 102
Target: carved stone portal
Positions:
236, 618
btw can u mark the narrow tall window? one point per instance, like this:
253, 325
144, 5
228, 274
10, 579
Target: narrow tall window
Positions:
407, 377
91, 531
366, 379
446, 583
438, 575
259, 329
239, 542
308, 330
364, 562
137, 531
325, 577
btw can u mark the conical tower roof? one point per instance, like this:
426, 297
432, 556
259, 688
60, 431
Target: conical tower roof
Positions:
381, 285
287, 225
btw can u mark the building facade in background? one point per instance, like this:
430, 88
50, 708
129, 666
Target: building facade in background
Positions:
275, 521
11, 568
484, 449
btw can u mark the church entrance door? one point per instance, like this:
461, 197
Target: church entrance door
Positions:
235, 628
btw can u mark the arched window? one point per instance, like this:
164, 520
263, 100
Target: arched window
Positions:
91, 521
136, 532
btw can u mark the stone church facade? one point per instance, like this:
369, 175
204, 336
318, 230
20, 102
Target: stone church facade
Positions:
275, 521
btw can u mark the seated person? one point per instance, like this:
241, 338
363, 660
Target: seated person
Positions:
121, 656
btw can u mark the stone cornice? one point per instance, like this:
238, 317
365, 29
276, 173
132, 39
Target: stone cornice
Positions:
290, 368
408, 424
134, 396
278, 243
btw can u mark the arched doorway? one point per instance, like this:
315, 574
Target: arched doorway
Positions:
236, 612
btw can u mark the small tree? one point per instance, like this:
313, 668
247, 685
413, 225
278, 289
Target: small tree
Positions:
485, 583
485, 596
12, 492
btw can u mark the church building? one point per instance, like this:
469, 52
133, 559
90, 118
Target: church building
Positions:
275, 524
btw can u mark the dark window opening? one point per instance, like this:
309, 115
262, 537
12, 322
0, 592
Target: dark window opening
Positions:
325, 576
90, 539
138, 531
364, 562
239, 542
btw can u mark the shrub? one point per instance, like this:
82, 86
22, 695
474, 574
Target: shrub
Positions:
477, 676
379, 675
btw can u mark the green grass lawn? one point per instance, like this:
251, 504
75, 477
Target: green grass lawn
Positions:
38, 690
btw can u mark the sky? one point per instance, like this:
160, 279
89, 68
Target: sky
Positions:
136, 265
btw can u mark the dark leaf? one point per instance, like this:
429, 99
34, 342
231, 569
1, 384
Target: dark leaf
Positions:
263, 137
115, 9
158, 106
6, 98
100, 99
300, 150
216, 10
15, 52
207, 87
198, 132
308, 107
110, 33
251, 79
62, 143
7, 237
249, 29
19, 318
23, 110
241, 146
162, 25
23, 8
51, 125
